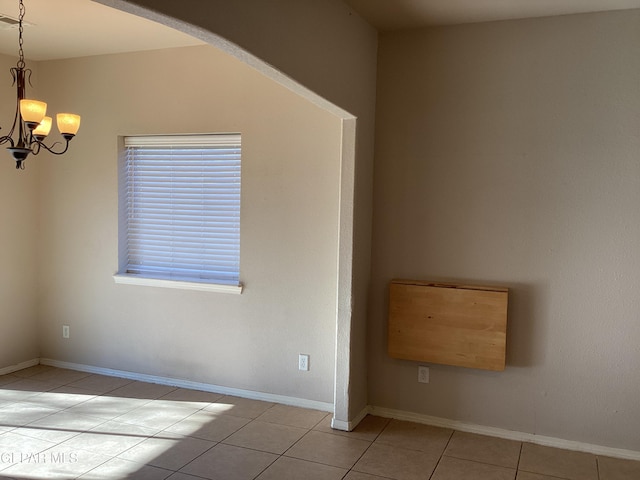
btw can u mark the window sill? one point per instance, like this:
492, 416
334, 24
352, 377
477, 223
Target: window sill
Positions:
158, 282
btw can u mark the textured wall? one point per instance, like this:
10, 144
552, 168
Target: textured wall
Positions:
18, 235
507, 153
327, 53
289, 227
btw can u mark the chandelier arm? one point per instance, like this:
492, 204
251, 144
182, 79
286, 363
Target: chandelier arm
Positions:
37, 145
5, 139
26, 142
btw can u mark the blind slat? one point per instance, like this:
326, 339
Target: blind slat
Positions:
182, 212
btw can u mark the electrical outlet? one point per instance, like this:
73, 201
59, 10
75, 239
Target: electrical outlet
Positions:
423, 374
303, 362
65, 331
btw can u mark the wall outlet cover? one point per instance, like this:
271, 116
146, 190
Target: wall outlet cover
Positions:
303, 362
423, 374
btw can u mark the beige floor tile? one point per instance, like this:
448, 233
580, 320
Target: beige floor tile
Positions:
107, 407
209, 426
286, 468
23, 389
618, 469
558, 463
50, 434
59, 376
19, 413
100, 383
368, 429
15, 447
292, 416
168, 453
31, 371
5, 428
142, 390
414, 436
397, 463
480, 448
63, 397
457, 469
226, 462
56, 463
6, 379
66, 422
56, 412
239, 407
328, 449
183, 476
118, 468
59, 427
533, 476
157, 416
110, 438
192, 398
362, 476
266, 437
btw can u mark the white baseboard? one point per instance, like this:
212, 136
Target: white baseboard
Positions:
507, 434
351, 424
328, 407
19, 366
206, 387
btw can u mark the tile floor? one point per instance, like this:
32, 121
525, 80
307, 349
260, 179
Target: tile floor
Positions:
63, 424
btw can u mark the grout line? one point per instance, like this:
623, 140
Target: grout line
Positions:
360, 457
519, 457
216, 443
442, 454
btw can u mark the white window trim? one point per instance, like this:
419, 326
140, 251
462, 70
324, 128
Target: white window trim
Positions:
186, 140
125, 279
179, 140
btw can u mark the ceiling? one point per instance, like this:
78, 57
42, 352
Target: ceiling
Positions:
77, 28
388, 15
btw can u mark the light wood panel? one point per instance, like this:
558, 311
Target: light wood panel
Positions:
449, 324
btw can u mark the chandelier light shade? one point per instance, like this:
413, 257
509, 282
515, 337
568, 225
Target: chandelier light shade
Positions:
68, 124
30, 124
32, 111
43, 128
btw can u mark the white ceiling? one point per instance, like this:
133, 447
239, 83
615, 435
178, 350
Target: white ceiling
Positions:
79, 28
76, 28
388, 15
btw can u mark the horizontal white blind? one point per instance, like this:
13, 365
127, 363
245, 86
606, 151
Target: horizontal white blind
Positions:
183, 207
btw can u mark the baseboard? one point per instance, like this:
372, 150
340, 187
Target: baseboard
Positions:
19, 366
206, 387
328, 407
351, 424
506, 434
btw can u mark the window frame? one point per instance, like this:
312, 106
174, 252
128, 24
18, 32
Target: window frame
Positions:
165, 280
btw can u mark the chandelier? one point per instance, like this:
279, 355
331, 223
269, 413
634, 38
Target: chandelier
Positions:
30, 125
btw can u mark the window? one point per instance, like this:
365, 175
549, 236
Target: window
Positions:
180, 211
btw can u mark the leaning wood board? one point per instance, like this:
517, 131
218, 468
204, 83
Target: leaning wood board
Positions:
448, 324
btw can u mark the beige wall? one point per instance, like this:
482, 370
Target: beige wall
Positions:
507, 153
327, 53
289, 226
18, 235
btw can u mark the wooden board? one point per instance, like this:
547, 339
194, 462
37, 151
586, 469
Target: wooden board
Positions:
448, 324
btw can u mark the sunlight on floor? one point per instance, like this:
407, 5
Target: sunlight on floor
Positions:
63, 424
60, 424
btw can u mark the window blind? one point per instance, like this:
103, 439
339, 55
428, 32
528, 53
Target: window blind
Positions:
182, 196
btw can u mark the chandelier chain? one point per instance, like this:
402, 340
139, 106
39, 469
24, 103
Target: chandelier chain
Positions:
21, 63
